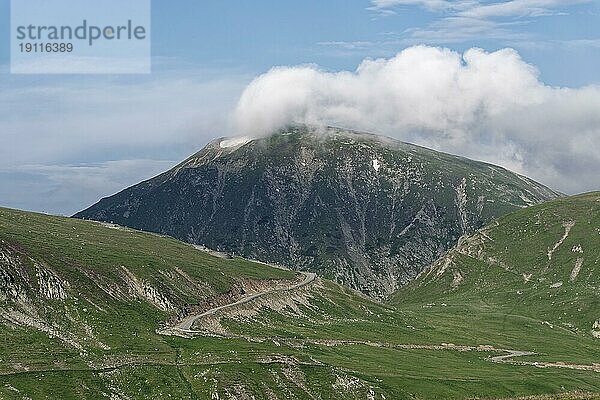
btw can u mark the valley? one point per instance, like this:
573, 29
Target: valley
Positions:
91, 303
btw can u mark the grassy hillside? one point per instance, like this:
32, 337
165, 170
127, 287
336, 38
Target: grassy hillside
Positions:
541, 262
81, 306
531, 279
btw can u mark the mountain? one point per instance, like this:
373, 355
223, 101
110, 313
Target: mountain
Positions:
91, 310
366, 211
542, 262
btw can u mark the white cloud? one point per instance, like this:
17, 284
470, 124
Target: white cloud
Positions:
574, 43
456, 29
463, 20
477, 9
488, 106
61, 64
58, 124
78, 120
356, 45
432, 5
518, 8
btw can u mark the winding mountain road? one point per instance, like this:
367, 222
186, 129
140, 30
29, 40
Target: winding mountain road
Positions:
186, 324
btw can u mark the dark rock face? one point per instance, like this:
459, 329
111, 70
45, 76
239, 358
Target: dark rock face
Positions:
367, 211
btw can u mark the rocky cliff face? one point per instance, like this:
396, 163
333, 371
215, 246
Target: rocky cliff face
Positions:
367, 211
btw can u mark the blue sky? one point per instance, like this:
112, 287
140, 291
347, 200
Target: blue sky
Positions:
562, 39
339, 34
74, 138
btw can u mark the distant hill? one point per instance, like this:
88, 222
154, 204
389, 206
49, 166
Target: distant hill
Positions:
367, 211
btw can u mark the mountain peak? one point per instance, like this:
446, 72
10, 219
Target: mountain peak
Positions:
368, 211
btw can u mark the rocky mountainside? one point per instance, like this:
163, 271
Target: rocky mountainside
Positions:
367, 211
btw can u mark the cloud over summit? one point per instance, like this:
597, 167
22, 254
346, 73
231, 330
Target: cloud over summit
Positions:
488, 106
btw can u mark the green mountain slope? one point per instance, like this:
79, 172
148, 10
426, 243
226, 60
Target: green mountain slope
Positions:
543, 262
87, 311
366, 211
63, 277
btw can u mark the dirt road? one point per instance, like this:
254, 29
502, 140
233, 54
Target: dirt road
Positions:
187, 323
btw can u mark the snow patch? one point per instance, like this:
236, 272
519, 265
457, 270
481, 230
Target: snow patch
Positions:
234, 142
376, 165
